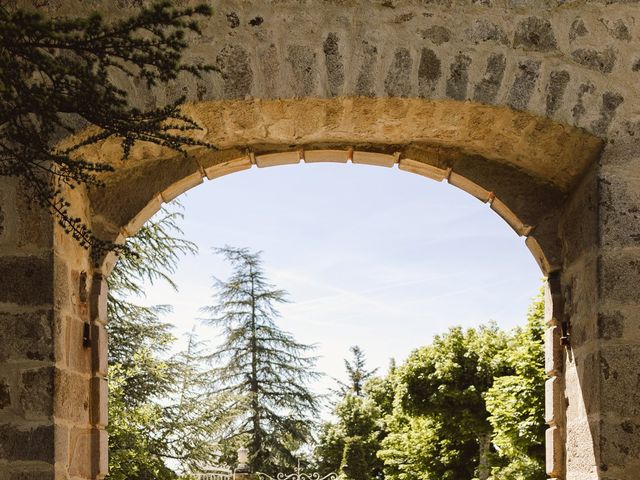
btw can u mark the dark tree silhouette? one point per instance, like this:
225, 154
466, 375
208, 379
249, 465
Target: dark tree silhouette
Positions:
56, 80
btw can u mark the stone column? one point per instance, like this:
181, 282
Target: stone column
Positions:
601, 300
45, 352
614, 402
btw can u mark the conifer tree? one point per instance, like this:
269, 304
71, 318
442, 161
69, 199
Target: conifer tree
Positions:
357, 373
163, 415
57, 80
262, 366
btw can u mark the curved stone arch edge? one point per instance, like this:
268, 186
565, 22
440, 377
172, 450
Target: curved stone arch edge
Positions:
356, 157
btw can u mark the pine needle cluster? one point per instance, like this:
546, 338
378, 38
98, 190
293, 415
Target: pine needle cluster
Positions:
57, 79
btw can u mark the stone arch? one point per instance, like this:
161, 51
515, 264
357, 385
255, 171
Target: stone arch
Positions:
533, 101
522, 165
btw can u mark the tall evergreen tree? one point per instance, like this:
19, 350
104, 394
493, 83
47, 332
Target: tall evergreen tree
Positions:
163, 416
262, 366
357, 373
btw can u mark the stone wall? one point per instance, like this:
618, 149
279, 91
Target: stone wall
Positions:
510, 100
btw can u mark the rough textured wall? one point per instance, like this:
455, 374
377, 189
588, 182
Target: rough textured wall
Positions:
574, 62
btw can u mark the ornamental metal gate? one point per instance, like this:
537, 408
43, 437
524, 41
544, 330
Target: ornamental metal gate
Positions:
297, 476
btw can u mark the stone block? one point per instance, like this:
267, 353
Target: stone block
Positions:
375, 159
27, 336
619, 275
28, 471
229, 167
553, 401
148, 211
619, 443
81, 452
322, 156
26, 280
78, 355
99, 349
554, 452
470, 187
181, 186
274, 159
620, 391
424, 169
37, 392
619, 202
28, 443
581, 449
98, 299
72, 397
553, 351
510, 217
99, 402
100, 453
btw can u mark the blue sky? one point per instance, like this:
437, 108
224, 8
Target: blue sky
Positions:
371, 256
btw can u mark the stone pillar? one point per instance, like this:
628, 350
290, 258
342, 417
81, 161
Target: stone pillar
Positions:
615, 365
601, 300
45, 353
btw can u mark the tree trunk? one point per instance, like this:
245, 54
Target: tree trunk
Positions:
484, 466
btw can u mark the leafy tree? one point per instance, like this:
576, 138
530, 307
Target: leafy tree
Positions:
350, 444
263, 368
446, 382
516, 403
357, 373
57, 78
163, 415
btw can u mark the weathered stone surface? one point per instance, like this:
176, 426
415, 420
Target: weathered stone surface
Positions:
36, 392
398, 80
29, 443
270, 67
602, 61
5, 394
619, 209
487, 89
429, 72
366, 78
556, 88
610, 103
535, 34
523, 85
486, 31
610, 325
578, 29
458, 77
436, 34
304, 67
27, 336
233, 62
26, 280
620, 275
334, 63
27, 472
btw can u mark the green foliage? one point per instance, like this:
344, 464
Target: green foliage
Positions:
350, 444
262, 368
516, 403
163, 415
57, 78
357, 373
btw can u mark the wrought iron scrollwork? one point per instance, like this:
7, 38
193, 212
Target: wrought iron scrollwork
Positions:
298, 476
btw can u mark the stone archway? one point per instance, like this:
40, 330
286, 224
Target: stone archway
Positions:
530, 106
